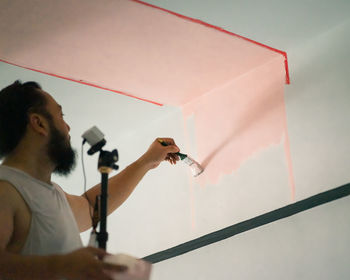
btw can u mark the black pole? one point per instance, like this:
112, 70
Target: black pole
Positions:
103, 234
106, 163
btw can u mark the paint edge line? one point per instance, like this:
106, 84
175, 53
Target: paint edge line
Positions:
81, 82
221, 30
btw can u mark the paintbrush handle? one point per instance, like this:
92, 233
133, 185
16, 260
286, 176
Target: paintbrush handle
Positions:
182, 156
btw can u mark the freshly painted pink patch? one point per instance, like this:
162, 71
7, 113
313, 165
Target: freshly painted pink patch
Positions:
238, 119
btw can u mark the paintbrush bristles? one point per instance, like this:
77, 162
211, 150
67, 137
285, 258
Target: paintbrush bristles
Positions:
196, 168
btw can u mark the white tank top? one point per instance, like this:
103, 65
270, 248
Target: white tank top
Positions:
53, 228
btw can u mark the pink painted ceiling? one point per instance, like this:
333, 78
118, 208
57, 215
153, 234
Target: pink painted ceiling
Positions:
126, 46
233, 86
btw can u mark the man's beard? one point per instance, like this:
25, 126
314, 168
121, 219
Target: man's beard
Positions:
60, 152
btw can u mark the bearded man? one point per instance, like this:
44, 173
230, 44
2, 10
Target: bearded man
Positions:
40, 224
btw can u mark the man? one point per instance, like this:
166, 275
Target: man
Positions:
39, 222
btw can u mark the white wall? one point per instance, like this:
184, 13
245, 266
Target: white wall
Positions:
309, 245
168, 207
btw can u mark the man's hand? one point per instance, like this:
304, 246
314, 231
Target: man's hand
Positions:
156, 153
85, 263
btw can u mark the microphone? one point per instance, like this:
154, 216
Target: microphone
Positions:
95, 138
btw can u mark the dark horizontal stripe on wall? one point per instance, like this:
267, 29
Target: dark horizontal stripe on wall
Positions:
258, 221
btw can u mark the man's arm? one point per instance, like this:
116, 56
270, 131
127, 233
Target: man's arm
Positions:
123, 184
80, 264
13, 266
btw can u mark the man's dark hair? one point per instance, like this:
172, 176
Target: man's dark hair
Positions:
16, 102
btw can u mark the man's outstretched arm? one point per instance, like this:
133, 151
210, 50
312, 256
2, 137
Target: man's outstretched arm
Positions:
123, 184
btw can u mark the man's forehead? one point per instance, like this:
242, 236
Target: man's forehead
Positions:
51, 101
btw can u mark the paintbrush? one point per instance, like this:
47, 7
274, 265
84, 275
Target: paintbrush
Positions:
195, 167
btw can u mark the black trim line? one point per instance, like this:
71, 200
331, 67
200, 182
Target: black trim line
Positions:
258, 221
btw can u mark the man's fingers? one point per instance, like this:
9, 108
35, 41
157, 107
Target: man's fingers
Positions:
172, 149
100, 253
172, 158
170, 143
114, 267
169, 149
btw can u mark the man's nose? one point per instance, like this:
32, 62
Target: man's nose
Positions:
68, 127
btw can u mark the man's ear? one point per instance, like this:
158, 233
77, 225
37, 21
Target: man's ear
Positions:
38, 123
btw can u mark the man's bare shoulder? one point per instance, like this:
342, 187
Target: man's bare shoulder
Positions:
8, 207
8, 194
5, 186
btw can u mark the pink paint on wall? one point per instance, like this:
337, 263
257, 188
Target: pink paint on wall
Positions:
242, 117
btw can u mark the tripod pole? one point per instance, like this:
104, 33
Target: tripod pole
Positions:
106, 164
103, 234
